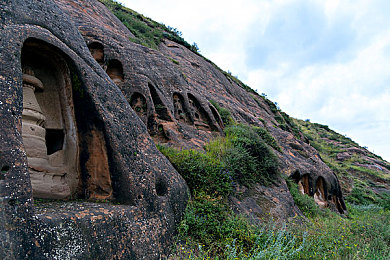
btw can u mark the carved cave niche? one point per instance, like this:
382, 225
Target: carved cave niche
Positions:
160, 116
304, 185
51, 131
97, 52
201, 118
139, 105
160, 108
115, 71
216, 116
48, 122
180, 110
321, 192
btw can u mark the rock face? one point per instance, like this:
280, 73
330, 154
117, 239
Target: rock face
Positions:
81, 108
68, 132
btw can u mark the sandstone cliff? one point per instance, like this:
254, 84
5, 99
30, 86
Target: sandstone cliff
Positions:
100, 101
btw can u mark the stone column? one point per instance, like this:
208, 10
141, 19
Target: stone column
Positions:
33, 119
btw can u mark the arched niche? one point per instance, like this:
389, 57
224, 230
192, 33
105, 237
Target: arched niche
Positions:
216, 116
97, 51
48, 121
181, 113
139, 105
304, 184
66, 150
115, 71
321, 193
159, 106
200, 116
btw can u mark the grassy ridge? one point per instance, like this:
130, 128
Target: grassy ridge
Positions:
354, 170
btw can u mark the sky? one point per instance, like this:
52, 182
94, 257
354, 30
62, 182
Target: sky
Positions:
327, 61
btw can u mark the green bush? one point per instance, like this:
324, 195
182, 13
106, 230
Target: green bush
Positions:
209, 221
264, 163
267, 137
201, 171
147, 32
304, 202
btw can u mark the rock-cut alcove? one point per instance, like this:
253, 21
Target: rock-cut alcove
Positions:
97, 52
216, 116
180, 110
115, 71
48, 122
201, 118
139, 105
321, 192
66, 149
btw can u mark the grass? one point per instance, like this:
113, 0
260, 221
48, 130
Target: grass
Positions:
147, 32
242, 156
329, 143
210, 232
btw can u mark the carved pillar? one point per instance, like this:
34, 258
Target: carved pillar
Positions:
33, 119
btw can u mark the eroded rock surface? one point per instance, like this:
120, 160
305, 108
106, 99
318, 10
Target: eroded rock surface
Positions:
108, 100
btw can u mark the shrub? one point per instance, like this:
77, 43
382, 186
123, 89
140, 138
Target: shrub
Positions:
267, 137
209, 221
202, 171
304, 202
264, 163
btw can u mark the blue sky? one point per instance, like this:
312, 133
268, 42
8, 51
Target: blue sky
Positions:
327, 61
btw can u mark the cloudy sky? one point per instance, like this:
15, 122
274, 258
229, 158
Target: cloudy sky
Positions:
327, 61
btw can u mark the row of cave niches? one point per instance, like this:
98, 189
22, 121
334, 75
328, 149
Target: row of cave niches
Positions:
187, 110
155, 114
63, 136
319, 191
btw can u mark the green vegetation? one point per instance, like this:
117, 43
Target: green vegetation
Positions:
174, 61
147, 32
304, 202
202, 171
241, 156
211, 230
350, 170
267, 137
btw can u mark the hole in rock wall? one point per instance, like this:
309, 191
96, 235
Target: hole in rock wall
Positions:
216, 116
161, 187
54, 140
321, 193
97, 52
181, 113
201, 118
115, 71
139, 105
48, 122
159, 106
304, 185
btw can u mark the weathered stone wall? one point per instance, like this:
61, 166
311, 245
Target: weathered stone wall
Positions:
143, 224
